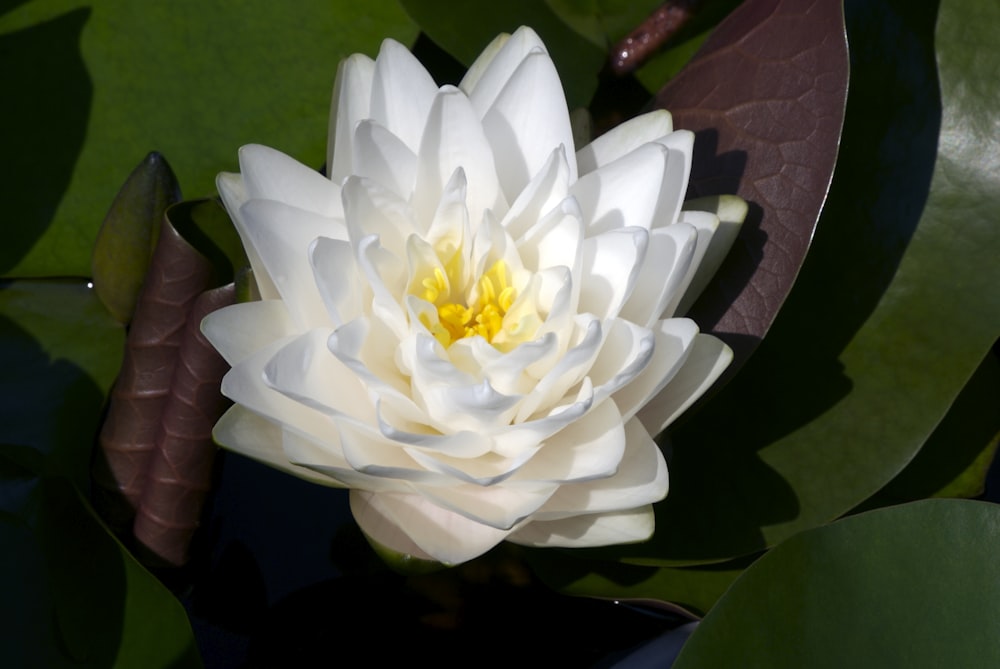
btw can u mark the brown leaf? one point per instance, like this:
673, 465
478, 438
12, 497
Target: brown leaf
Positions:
177, 275
180, 471
765, 96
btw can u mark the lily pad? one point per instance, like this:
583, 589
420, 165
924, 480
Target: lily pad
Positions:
916, 586
895, 308
93, 87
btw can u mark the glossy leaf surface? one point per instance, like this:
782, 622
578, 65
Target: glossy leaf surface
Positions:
916, 585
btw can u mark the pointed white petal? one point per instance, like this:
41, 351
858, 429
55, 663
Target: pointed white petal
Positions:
624, 138
601, 529
526, 122
382, 157
731, 211
641, 478
402, 93
611, 264
337, 279
674, 338
623, 193
271, 175
234, 196
547, 189
665, 268
708, 358
352, 94
485, 80
413, 525
237, 331
705, 224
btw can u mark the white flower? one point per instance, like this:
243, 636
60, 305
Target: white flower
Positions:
464, 323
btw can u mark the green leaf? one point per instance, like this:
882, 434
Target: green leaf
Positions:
910, 586
888, 319
128, 235
603, 22
93, 87
956, 458
82, 601
464, 29
60, 351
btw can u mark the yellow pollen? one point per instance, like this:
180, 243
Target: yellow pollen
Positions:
484, 317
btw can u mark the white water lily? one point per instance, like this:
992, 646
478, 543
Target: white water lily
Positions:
469, 324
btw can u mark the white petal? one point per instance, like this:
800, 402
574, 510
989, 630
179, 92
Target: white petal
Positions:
500, 506
709, 357
546, 190
676, 171
239, 330
248, 434
641, 478
526, 122
234, 196
382, 157
306, 371
370, 209
407, 522
454, 139
402, 93
352, 94
625, 192
591, 447
731, 211
337, 279
555, 241
271, 175
665, 268
674, 338
602, 529
626, 351
486, 78
705, 223
611, 264
624, 138
281, 236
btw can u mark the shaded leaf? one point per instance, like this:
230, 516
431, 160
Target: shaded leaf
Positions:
956, 458
126, 240
81, 599
60, 351
910, 586
95, 86
888, 320
765, 96
205, 225
177, 275
179, 474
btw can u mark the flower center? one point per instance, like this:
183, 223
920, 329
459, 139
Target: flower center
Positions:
484, 317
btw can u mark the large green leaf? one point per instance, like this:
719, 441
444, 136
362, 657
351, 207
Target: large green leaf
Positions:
911, 586
77, 597
889, 318
60, 351
90, 88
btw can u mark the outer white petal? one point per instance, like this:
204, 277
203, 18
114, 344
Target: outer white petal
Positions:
281, 236
382, 157
402, 93
337, 279
526, 122
482, 63
611, 264
234, 196
454, 139
624, 192
352, 94
706, 224
413, 525
237, 331
674, 338
500, 506
731, 211
245, 432
624, 138
589, 448
664, 270
601, 529
708, 358
271, 175
641, 479
491, 72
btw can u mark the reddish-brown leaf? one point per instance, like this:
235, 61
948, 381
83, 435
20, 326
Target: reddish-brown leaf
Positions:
180, 471
765, 96
177, 275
